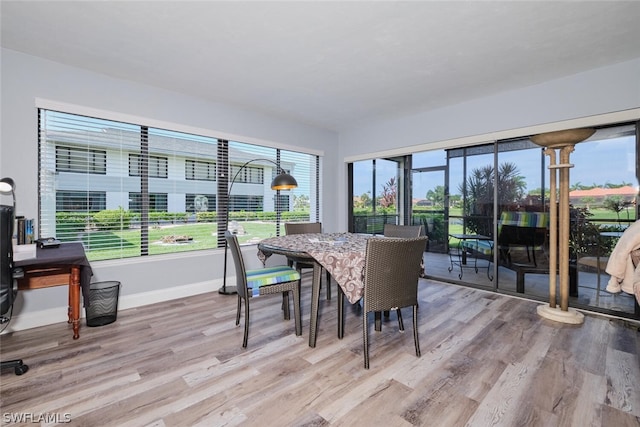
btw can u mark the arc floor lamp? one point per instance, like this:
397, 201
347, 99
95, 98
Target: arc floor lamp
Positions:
282, 181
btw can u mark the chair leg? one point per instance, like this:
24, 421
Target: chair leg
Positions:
365, 339
340, 313
400, 323
328, 285
17, 365
297, 311
597, 279
415, 330
246, 323
285, 303
378, 321
238, 311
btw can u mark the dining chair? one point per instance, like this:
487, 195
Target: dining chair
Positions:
391, 274
263, 281
403, 231
303, 228
393, 230
591, 250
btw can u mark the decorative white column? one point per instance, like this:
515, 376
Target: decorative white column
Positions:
559, 226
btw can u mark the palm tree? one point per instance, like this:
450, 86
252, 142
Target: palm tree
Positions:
478, 206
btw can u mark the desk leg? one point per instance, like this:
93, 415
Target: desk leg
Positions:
74, 301
315, 302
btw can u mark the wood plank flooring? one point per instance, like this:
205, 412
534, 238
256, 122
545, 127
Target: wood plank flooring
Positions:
487, 360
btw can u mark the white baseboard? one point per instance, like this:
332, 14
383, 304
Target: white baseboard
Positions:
50, 316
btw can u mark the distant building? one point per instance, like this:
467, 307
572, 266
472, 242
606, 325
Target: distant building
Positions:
422, 202
598, 195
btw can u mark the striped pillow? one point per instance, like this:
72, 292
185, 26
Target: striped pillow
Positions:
524, 219
269, 276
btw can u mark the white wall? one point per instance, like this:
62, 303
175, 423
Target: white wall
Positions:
25, 78
591, 98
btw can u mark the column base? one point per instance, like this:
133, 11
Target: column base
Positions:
572, 316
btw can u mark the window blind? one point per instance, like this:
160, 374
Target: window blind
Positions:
127, 190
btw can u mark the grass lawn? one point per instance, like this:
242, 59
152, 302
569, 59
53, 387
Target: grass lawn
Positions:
203, 236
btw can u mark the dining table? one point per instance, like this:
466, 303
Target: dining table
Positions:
341, 254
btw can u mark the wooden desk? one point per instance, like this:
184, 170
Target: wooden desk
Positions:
66, 265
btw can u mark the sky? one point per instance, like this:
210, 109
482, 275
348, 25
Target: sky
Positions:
595, 163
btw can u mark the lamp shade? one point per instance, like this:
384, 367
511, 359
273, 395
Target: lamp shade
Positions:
7, 185
284, 181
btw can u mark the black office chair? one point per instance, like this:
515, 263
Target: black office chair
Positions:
8, 274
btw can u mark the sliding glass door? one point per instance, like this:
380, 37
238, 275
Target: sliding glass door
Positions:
500, 191
430, 198
378, 188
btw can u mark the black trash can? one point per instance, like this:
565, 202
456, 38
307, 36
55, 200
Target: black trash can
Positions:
103, 303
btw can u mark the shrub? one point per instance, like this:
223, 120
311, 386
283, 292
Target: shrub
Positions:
113, 219
71, 223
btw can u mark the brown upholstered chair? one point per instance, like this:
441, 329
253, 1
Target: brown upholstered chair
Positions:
303, 228
391, 274
264, 281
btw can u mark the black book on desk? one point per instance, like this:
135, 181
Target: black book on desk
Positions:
21, 230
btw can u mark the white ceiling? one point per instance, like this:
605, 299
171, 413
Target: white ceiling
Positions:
330, 64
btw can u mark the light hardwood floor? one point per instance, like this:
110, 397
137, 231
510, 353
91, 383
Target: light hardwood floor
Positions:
487, 359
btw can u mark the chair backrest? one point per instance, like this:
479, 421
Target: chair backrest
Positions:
522, 228
7, 293
524, 219
391, 272
406, 231
238, 261
302, 227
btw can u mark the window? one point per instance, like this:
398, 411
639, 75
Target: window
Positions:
158, 166
377, 195
70, 159
200, 202
199, 170
249, 174
80, 201
128, 190
157, 202
246, 203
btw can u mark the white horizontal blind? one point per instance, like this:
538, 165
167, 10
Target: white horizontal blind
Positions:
126, 190
83, 181
303, 203
255, 210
